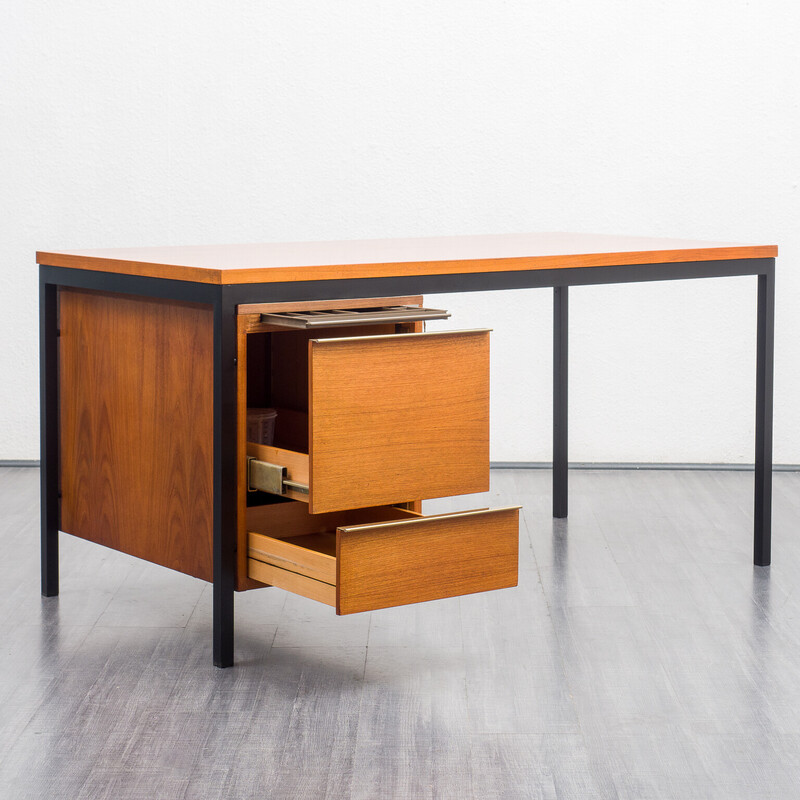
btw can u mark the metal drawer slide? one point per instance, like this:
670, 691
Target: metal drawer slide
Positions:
347, 317
265, 477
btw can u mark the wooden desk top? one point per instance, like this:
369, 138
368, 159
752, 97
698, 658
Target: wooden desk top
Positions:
375, 258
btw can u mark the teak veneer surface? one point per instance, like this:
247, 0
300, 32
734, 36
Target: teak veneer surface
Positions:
371, 258
136, 382
394, 417
412, 561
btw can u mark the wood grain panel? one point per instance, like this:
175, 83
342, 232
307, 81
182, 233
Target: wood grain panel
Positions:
136, 382
373, 258
413, 561
398, 417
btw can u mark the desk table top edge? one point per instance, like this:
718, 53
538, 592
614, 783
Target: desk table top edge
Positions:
311, 261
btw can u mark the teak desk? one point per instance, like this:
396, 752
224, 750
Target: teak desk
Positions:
181, 309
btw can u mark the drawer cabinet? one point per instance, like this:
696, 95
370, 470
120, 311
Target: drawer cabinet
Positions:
370, 421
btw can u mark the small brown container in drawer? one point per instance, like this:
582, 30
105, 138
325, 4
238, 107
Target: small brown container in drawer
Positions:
381, 564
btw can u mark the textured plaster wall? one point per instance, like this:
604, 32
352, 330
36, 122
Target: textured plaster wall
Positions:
193, 122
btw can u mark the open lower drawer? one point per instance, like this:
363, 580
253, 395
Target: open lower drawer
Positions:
362, 567
390, 418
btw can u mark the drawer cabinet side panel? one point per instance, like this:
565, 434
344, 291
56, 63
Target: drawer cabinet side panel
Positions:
136, 395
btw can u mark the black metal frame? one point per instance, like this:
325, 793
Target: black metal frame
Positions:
560, 399
224, 300
225, 476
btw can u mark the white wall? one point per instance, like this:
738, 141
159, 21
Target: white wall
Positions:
193, 122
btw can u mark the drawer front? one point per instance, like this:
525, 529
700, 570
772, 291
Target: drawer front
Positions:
397, 417
411, 561
408, 560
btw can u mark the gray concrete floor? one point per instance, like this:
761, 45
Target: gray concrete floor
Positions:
642, 656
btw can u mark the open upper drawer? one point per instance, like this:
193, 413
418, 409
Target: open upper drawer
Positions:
406, 558
391, 418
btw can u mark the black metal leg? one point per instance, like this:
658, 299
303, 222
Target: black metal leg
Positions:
560, 341
48, 432
225, 527
762, 529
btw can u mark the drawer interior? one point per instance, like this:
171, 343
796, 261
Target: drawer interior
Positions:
277, 376
380, 557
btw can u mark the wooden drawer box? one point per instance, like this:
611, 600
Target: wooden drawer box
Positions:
399, 558
390, 418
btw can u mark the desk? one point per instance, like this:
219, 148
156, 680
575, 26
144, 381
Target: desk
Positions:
216, 284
